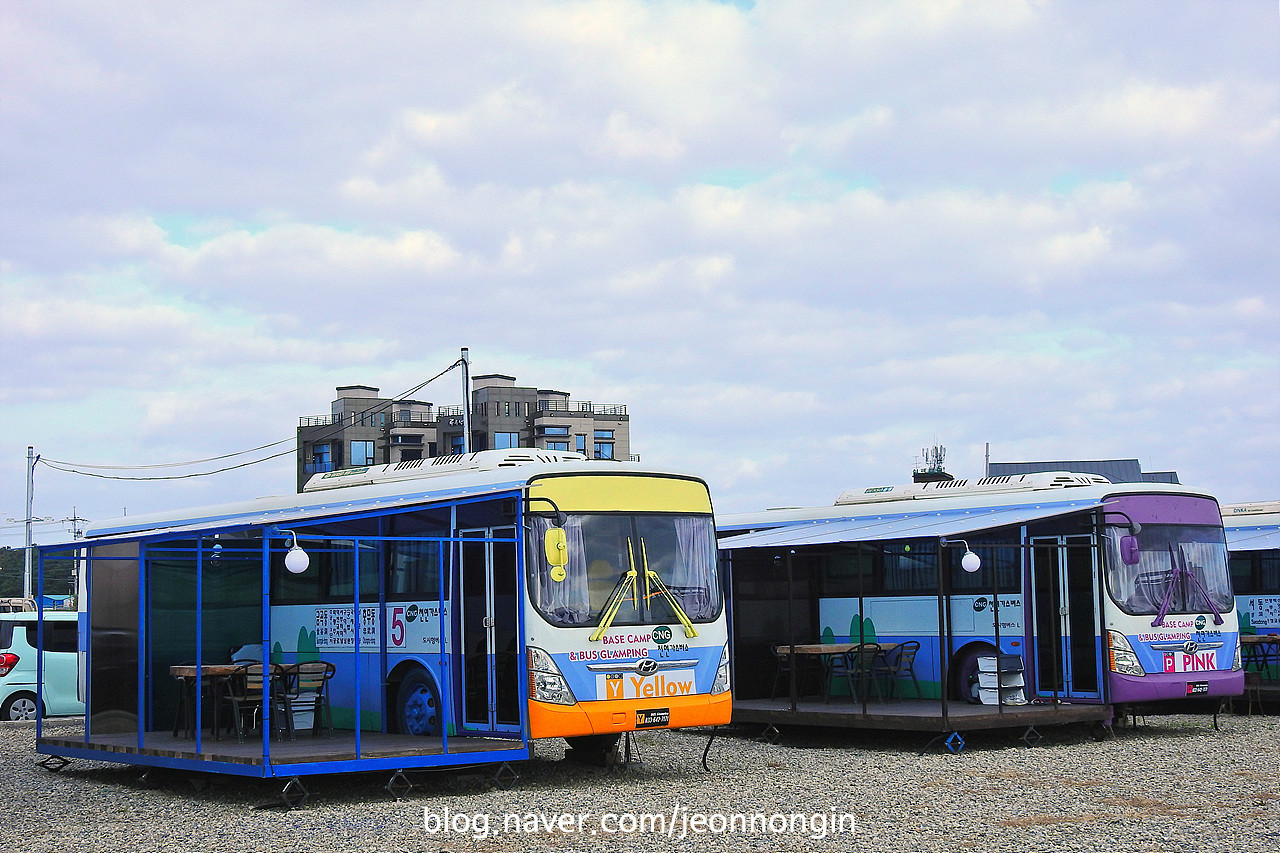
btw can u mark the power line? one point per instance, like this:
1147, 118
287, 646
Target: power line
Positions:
74, 468
169, 464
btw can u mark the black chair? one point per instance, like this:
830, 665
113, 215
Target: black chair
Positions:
306, 687
807, 669
862, 663
837, 666
243, 691
899, 662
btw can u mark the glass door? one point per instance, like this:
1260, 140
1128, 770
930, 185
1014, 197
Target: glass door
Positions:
1067, 647
489, 650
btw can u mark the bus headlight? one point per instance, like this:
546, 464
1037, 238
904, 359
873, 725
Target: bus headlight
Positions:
546, 682
721, 684
1236, 664
1123, 660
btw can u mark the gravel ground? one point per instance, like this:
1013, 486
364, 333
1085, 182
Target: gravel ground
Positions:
1171, 784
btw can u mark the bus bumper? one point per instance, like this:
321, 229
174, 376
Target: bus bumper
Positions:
614, 716
1188, 685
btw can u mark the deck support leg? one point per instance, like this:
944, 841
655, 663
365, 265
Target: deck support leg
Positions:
398, 785
505, 776
54, 763
1032, 737
771, 734
630, 750
952, 742
295, 794
624, 753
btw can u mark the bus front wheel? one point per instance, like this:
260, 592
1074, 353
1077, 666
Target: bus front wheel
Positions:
417, 704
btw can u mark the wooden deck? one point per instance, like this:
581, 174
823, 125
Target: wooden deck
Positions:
922, 715
306, 749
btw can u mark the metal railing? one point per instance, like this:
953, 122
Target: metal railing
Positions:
585, 407
376, 418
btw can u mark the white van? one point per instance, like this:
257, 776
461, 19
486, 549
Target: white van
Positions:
18, 664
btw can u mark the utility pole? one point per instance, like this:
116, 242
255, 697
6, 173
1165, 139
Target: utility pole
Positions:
466, 402
77, 532
31, 485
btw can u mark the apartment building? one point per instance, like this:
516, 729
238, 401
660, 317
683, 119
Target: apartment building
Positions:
364, 428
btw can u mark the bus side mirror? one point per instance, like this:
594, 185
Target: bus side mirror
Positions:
556, 544
1129, 553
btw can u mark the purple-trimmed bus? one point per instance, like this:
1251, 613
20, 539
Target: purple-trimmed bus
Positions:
1106, 593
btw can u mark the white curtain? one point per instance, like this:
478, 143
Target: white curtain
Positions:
568, 601
695, 572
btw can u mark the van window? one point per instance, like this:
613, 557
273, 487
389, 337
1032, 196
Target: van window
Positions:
58, 636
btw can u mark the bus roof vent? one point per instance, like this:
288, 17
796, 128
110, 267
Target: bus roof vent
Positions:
438, 466
985, 485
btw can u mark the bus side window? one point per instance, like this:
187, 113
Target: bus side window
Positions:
413, 571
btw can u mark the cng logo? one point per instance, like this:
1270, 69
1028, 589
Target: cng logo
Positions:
1200, 623
662, 634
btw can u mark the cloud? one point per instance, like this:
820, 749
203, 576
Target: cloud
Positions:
799, 240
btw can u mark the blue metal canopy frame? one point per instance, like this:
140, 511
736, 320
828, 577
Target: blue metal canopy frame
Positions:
905, 525
505, 747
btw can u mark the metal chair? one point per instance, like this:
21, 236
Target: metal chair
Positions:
899, 662
805, 670
306, 686
858, 665
243, 691
838, 666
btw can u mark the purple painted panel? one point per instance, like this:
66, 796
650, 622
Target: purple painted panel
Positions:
1166, 509
1151, 688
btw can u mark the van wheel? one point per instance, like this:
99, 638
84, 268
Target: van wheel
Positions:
19, 706
417, 705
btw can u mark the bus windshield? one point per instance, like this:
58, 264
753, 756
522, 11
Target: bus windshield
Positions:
1202, 585
679, 551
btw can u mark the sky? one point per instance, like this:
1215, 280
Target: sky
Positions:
800, 240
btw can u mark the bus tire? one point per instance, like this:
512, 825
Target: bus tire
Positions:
964, 674
417, 704
19, 706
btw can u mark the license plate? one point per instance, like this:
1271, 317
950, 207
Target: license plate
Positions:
1197, 688
653, 718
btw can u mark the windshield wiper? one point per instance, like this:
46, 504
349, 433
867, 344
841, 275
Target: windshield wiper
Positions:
617, 596
651, 576
1178, 570
1204, 594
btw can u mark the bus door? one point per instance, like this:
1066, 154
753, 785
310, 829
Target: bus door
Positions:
1066, 647
489, 649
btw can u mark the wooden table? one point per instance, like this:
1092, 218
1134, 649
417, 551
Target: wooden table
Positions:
210, 674
829, 650
1260, 650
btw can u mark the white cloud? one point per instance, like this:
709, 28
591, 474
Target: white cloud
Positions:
800, 240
